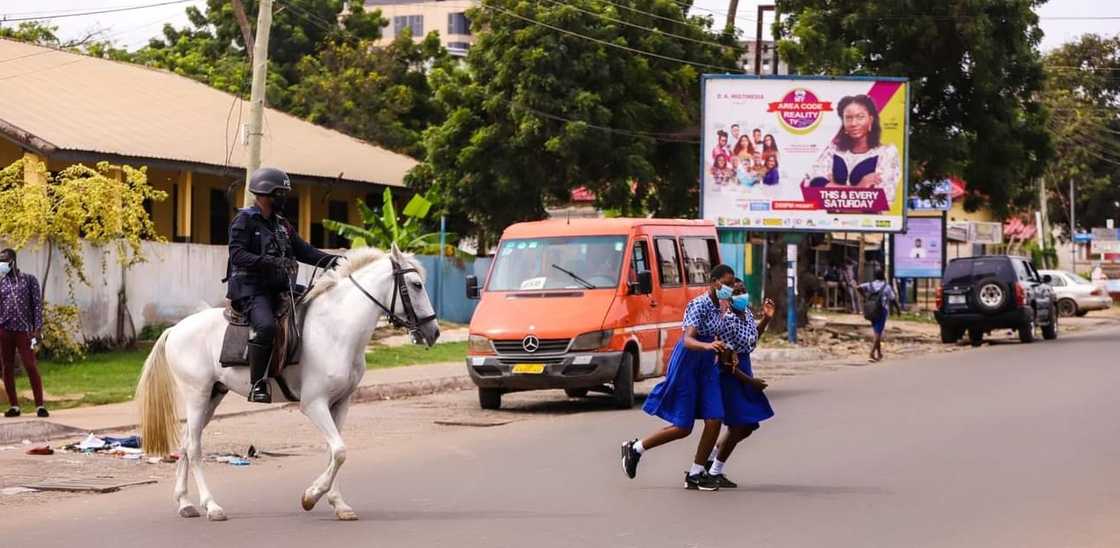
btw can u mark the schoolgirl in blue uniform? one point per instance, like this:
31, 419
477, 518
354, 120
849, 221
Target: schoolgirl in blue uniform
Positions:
744, 404
691, 389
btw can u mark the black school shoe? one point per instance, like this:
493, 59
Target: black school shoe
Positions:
723, 482
42, 413
12, 412
630, 458
701, 481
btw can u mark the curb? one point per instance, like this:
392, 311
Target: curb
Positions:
373, 392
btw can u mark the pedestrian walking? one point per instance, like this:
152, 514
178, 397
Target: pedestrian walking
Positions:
691, 390
21, 324
744, 404
878, 297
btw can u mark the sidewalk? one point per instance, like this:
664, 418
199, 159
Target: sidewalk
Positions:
378, 384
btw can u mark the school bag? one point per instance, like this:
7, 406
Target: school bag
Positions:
873, 305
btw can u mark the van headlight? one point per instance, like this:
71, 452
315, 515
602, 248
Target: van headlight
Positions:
477, 344
592, 341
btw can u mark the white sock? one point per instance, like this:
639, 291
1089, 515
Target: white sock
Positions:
639, 448
696, 469
715, 453
717, 467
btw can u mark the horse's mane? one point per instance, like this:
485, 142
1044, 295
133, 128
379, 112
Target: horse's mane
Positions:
357, 259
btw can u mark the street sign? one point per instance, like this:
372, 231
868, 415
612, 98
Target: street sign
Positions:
1082, 237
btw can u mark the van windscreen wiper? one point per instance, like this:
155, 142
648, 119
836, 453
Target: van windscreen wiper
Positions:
574, 276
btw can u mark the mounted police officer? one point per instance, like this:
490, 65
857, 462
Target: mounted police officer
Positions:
263, 253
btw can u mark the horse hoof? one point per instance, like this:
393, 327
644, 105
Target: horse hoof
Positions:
216, 515
189, 511
346, 515
307, 502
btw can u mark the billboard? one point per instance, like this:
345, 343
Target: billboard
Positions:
931, 196
985, 233
919, 252
804, 154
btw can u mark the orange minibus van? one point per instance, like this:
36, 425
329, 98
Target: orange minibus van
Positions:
585, 304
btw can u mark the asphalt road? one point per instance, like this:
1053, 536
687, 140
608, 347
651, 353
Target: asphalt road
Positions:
1008, 445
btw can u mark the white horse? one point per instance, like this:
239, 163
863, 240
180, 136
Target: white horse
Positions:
341, 314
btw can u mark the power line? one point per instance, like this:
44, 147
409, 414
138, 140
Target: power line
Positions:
651, 29
661, 137
97, 12
610, 44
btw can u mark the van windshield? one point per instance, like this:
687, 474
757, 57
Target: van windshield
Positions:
580, 262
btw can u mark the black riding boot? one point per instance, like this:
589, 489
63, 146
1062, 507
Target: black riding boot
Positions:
259, 357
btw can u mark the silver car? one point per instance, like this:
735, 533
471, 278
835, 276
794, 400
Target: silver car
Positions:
1076, 295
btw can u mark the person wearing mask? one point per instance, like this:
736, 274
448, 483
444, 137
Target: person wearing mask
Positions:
744, 404
263, 251
21, 325
691, 390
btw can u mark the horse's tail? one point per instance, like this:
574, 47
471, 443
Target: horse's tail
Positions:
156, 396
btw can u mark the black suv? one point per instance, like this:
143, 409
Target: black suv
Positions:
980, 294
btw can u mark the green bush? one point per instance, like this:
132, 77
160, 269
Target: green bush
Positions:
151, 332
62, 334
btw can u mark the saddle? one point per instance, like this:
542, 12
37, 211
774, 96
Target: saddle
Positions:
285, 347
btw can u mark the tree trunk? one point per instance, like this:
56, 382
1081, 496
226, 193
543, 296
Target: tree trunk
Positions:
732, 7
46, 273
776, 281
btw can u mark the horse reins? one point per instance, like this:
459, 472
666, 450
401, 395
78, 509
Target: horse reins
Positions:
410, 321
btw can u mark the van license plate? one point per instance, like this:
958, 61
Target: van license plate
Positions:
529, 368
956, 299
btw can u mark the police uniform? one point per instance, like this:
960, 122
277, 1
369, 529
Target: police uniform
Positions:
263, 253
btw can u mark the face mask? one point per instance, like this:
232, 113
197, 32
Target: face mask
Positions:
724, 292
741, 302
278, 201
5, 268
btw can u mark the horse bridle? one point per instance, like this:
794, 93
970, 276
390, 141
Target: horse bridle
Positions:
410, 321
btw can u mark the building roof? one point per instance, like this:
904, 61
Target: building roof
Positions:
66, 104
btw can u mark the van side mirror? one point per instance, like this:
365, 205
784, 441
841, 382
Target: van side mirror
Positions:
644, 285
473, 292
1046, 278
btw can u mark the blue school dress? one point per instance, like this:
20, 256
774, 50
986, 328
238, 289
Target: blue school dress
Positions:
743, 405
691, 388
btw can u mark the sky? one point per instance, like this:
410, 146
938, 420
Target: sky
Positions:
133, 28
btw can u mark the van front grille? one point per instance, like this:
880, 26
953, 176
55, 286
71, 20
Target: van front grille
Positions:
516, 347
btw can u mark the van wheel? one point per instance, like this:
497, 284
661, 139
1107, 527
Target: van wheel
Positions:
576, 392
490, 398
950, 335
624, 383
975, 337
1026, 332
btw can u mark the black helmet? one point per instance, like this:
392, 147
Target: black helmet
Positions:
267, 180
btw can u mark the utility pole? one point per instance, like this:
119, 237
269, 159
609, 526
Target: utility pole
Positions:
1043, 208
1072, 229
256, 99
732, 7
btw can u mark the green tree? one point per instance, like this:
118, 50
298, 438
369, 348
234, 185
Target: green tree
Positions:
379, 94
212, 49
1082, 95
975, 76
384, 229
538, 111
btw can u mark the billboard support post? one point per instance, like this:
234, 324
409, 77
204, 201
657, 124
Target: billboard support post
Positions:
791, 291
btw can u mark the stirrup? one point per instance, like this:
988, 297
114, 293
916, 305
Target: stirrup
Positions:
260, 392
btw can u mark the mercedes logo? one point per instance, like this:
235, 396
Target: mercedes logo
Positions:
530, 343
